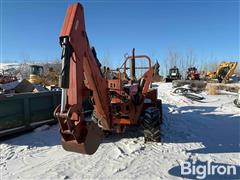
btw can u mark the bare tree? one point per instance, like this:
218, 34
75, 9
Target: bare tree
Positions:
190, 58
171, 60
105, 61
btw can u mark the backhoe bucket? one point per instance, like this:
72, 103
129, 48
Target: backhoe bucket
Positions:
82, 137
90, 143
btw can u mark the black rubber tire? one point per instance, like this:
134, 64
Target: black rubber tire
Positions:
159, 106
151, 124
168, 80
236, 103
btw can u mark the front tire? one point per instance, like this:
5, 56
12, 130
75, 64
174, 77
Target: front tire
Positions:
151, 124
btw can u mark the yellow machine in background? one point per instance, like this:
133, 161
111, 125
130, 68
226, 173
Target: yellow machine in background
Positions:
224, 72
38, 76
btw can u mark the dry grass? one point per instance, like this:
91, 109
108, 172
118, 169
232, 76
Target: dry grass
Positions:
212, 90
229, 87
215, 88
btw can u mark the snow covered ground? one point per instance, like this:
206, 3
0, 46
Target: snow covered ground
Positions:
9, 65
192, 131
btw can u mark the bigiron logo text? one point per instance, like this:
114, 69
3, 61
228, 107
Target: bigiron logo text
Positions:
201, 171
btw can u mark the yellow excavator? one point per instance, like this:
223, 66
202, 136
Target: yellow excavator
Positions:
224, 71
38, 76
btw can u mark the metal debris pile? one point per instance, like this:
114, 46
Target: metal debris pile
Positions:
188, 92
10, 84
7, 82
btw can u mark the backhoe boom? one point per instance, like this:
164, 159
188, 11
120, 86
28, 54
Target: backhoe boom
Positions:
81, 76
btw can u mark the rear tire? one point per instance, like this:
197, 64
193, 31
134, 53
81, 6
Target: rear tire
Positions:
151, 124
159, 106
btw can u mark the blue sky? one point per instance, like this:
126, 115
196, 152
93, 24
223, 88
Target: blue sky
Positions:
30, 29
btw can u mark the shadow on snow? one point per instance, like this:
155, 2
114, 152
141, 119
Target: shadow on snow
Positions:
190, 124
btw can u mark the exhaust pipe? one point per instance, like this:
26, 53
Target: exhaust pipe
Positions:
132, 66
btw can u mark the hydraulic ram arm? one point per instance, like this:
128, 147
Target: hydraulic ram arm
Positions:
80, 75
232, 66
